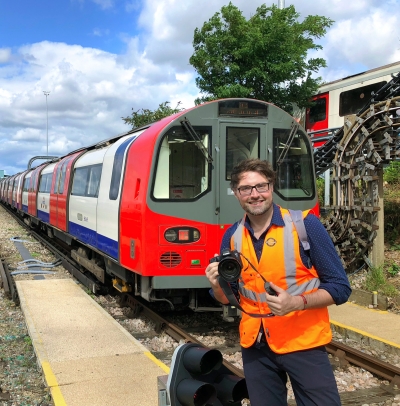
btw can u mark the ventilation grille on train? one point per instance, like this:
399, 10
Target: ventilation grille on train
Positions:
170, 259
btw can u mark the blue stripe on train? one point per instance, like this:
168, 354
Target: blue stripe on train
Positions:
90, 237
45, 217
25, 208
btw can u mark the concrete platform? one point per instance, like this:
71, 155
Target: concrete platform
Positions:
87, 358
380, 328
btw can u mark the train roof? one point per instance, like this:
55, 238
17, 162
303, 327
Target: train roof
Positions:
381, 71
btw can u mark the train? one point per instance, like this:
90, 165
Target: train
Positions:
144, 211
343, 97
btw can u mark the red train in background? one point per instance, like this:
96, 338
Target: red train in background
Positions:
144, 211
343, 97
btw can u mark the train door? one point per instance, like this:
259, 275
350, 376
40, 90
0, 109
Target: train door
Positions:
15, 190
236, 143
59, 191
25, 191
54, 193
32, 195
20, 189
10, 190
317, 116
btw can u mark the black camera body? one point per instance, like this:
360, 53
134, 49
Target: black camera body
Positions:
230, 265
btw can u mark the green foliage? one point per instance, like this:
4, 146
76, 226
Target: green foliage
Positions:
391, 174
28, 340
376, 281
142, 117
321, 191
391, 201
393, 269
265, 57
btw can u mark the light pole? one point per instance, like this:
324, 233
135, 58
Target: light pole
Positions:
46, 93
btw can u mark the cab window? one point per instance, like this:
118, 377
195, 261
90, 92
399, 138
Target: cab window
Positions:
293, 165
182, 171
241, 143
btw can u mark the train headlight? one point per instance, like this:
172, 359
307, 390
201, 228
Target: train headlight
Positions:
182, 235
170, 235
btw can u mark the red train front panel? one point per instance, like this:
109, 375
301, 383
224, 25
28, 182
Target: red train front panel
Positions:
176, 200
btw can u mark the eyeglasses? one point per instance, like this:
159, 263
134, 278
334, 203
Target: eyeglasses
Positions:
247, 190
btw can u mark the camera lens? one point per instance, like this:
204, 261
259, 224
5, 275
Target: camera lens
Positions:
229, 269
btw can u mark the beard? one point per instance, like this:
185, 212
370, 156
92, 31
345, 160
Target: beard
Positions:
258, 210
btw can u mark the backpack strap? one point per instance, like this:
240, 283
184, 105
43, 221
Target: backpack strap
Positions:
298, 222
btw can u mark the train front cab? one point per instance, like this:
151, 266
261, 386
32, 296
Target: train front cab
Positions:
170, 229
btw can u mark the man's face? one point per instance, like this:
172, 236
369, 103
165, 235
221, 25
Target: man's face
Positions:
256, 203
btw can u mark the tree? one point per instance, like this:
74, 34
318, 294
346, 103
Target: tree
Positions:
142, 117
263, 58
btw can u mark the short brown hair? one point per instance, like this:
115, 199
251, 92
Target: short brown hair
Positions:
252, 165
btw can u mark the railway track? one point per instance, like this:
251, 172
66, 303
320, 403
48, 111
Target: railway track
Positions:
342, 354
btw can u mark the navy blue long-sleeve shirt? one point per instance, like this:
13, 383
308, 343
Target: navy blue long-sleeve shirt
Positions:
322, 254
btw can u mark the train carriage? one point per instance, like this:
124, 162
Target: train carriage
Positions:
343, 97
144, 211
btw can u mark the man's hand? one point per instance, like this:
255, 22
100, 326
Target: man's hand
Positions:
283, 303
212, 276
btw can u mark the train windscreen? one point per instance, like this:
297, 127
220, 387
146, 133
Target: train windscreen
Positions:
182, 168
293, 165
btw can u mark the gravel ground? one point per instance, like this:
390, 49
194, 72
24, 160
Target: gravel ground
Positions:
21, 381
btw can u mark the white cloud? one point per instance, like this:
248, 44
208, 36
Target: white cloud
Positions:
5, 54
104, 4
90, 89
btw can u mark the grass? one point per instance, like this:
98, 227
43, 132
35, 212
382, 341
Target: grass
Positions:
377, 281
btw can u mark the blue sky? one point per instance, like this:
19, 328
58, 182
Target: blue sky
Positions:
99, 59
99, 24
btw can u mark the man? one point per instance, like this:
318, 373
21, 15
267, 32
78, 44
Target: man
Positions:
291, 342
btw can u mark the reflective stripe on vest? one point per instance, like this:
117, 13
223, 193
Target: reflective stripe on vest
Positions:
290, 264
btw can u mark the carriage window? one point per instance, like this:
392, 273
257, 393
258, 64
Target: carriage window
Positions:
94, 181
56, 183
45, 183
59, 184
86, 181
352, 101
317, 111
241, 143
293, 166
33, 184
26, 184
182, 169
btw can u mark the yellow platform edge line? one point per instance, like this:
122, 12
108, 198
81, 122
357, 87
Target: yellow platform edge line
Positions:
52, 383
364, 333
157, 361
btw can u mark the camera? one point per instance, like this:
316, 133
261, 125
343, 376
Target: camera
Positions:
230, 265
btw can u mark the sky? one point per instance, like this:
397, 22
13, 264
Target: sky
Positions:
99, 59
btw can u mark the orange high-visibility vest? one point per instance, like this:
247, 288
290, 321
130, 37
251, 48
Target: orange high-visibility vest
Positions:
281, 264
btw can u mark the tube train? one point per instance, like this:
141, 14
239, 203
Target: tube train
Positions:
146, 210
340, 98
